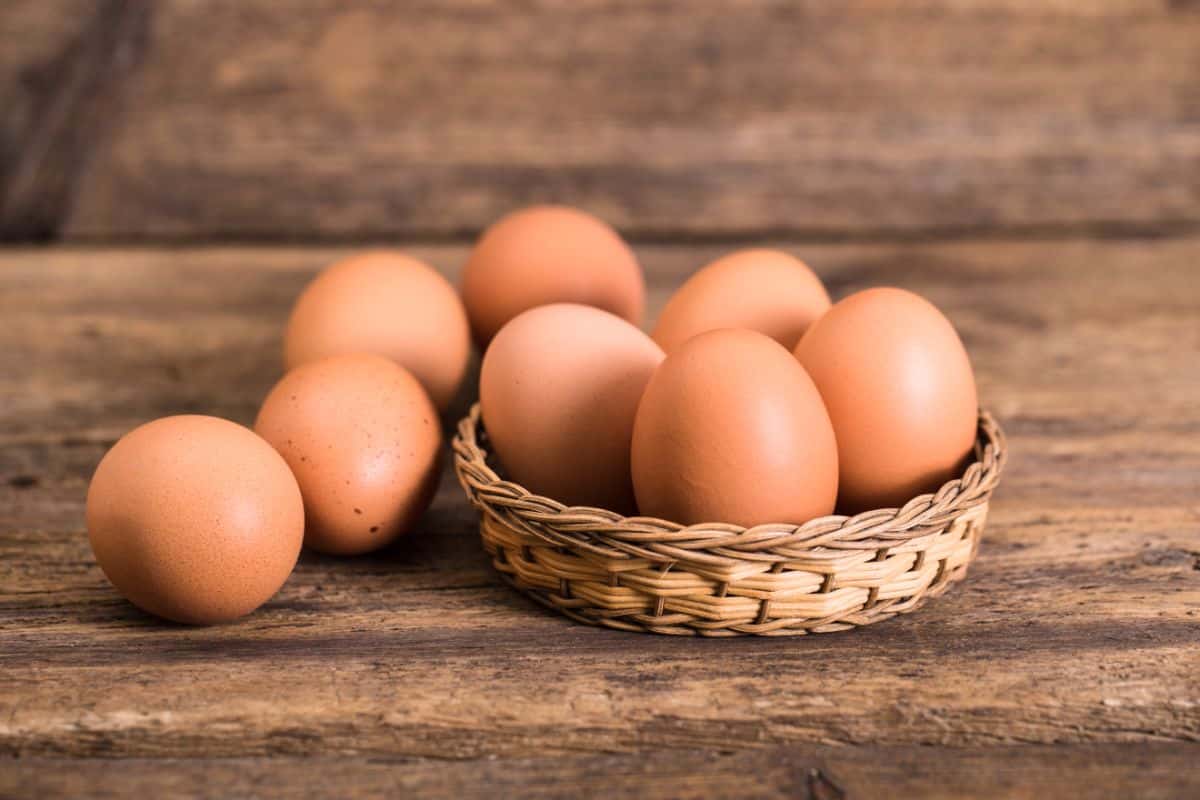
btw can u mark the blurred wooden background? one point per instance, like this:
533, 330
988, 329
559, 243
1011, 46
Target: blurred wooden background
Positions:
193, 120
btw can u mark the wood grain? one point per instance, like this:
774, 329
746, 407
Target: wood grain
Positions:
58, 90
1079, 626
327, 119
1151, 772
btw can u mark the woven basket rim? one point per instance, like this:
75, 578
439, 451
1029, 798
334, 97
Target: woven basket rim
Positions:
884, 527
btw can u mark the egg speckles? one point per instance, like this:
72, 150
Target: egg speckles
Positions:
362, 438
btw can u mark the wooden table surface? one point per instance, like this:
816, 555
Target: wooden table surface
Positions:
1068, 663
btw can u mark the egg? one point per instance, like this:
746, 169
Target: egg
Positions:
559, 388
387, 303
731, 429
363, 440
899, 389
195, 519
549, 254
768, 291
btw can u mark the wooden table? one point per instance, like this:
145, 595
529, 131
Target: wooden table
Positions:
1068, 664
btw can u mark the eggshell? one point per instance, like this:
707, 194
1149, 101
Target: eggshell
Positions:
730, 429
768, 291
195, 519
559, 388
549, 254
900, 391
363, 440
387, 303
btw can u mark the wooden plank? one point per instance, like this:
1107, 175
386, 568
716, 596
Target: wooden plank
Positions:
61, 64
807, 773
1078, 625
328, 119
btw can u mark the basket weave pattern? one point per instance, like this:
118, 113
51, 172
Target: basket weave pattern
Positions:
645, 574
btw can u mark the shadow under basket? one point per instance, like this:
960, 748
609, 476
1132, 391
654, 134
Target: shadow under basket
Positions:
645, 574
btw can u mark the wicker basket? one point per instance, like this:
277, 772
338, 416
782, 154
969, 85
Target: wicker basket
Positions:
644, 574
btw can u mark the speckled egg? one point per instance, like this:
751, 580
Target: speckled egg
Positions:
363, 440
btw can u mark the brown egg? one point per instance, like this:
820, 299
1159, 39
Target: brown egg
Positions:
549, 254
387, 303
730, 430
768, 291
899, 389
363, 440
195, 519
558, 391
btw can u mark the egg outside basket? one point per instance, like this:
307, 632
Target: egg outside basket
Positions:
644, 574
